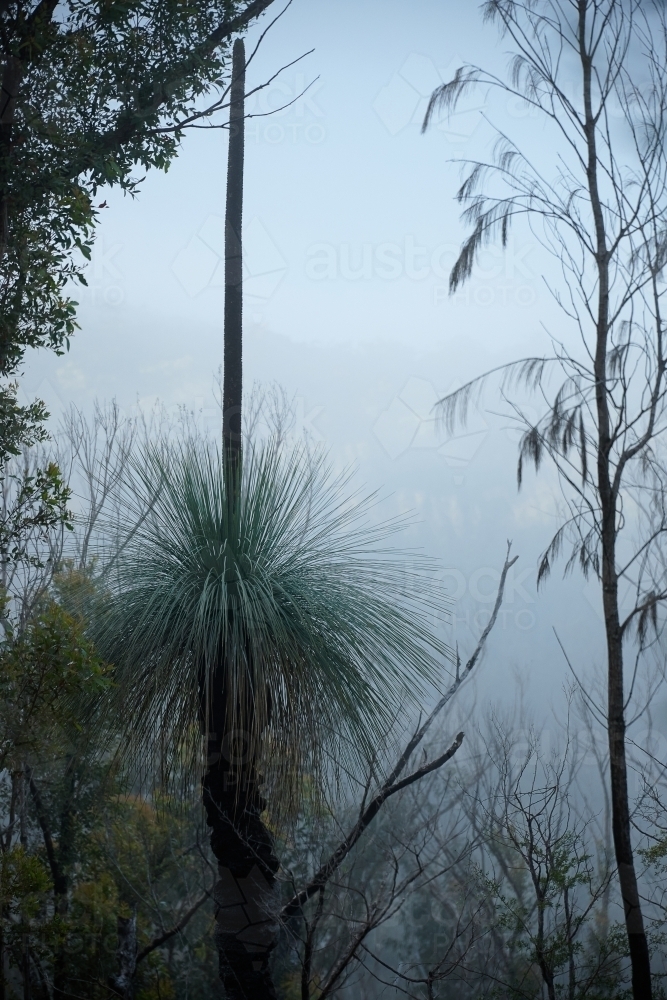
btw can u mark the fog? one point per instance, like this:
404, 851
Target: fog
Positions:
351, 229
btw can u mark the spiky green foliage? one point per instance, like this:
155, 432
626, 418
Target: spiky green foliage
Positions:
322, 630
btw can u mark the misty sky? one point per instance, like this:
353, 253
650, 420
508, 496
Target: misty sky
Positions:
351, 229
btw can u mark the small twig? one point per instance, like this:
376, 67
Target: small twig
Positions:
220, 104
309, 947
584, 693
266, 31
163, 938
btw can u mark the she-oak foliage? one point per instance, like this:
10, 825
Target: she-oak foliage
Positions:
92, 93
594, 74
289, 603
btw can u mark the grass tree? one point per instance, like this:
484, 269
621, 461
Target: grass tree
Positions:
281, 628
250, 602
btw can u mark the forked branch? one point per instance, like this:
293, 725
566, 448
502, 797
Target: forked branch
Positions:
394, 783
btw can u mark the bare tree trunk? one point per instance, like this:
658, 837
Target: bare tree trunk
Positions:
126, 957
233, 349
25, 943
58, 871
621, 828
309, 947
542, 958
5, 846
571, 966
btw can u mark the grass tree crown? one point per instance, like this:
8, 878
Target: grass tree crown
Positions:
286, 601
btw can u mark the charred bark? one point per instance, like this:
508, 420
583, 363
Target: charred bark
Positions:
246, 912
233, 346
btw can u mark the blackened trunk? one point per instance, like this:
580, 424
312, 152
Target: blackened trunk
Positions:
233, 349
246, 908
246, 912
